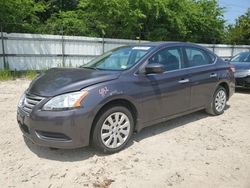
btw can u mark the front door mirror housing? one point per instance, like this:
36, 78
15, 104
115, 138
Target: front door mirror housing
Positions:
154, 68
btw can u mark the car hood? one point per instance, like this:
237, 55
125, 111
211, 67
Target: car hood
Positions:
241, 65
62, 80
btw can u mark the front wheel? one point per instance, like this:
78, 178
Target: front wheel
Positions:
218, 103
113, 129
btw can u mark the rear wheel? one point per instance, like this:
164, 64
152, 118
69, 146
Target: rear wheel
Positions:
218, 104
113, 129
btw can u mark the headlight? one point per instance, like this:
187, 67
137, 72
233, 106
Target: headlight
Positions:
21, 100
66, 101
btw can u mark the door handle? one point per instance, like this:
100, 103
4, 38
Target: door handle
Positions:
213, 75
183, 81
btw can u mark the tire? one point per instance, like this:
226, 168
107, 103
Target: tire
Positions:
218, 104
113, 129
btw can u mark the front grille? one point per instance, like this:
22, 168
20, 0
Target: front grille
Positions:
30, 101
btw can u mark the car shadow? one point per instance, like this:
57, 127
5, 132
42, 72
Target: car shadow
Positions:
171, 124
168, 125
242, 90
67, 155
88, 152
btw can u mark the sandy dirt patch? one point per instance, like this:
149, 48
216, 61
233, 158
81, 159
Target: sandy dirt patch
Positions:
196, 150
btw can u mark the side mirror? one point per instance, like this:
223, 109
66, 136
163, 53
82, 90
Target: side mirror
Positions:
154, 68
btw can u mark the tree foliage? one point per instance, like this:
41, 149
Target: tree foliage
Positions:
20, 15
240, 32
183, 20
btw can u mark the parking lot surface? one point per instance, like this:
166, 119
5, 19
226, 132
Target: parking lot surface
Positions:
196, 150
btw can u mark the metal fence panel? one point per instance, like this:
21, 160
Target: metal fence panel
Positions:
83, 48
36, 51
223, 51
32, 44
242, 49
76, 61
34, 63
110, 44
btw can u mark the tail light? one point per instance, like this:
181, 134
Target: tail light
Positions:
232, 68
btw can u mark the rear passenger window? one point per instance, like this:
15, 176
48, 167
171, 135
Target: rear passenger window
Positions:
170, 57
197, 57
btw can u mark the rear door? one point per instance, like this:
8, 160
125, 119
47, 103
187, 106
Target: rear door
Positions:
203, 75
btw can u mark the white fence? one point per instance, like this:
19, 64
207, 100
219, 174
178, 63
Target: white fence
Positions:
34, 51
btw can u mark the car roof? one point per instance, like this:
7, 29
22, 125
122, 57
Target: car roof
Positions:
167, 43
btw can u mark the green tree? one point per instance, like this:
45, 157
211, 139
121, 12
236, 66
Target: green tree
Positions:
20, 15
114, 18
182, 20
67, 23
204, 21
53, 7
197, 21
240, 32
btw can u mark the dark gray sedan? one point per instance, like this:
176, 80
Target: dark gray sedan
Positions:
121, 92
242, 69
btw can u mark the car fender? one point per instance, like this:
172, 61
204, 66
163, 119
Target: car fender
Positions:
104, 93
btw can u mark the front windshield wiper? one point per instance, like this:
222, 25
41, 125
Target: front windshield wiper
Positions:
94, 68
100, 69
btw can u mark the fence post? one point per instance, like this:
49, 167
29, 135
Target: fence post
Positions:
232, 51
63, 49
103, 42
3, 50
213, 48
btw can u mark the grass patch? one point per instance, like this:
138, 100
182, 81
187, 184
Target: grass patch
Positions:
5, 75
30, 74
12, 75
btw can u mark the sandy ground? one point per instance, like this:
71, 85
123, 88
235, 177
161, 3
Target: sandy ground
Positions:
196, 150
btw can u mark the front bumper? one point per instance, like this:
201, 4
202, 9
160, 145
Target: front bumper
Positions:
64, 129
243, 81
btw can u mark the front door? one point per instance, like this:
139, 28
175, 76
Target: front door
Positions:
167, 93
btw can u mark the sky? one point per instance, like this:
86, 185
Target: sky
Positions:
234, 8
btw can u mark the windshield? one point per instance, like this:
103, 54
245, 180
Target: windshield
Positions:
242, 57
118, 59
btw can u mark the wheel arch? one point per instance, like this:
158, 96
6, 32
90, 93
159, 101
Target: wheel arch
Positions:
225, 85
115, 102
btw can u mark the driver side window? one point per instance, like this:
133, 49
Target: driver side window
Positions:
169, 57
